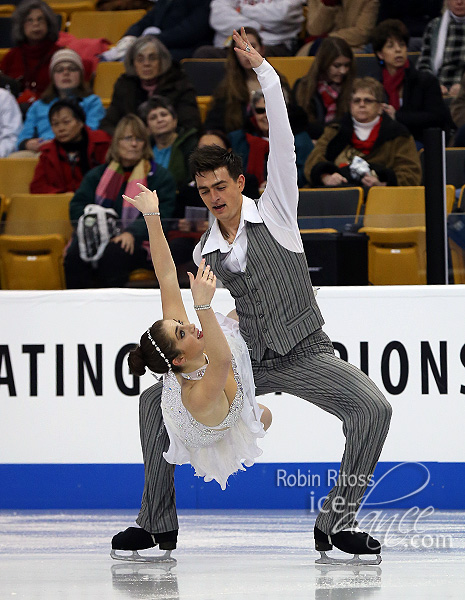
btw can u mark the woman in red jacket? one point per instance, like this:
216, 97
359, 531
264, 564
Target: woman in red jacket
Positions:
75, 150
34, 32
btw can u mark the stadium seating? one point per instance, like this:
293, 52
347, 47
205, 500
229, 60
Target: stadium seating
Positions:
36, 230
394, 220
110, 25
106, 75
16, 175
336, 208
206, 74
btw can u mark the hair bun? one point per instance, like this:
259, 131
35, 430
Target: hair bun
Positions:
136, 362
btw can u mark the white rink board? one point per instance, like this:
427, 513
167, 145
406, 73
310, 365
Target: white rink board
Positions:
94, 428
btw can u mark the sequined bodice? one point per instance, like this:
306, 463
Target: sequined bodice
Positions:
192, 433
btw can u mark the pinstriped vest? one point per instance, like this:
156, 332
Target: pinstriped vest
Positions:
274, 296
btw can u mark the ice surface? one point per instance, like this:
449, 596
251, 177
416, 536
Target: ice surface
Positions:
227, 554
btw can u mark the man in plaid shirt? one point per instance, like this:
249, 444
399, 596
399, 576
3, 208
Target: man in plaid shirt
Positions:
443, 47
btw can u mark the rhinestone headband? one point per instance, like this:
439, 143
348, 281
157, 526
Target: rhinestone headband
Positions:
158, 349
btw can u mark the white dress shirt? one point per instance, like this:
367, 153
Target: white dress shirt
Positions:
277, 206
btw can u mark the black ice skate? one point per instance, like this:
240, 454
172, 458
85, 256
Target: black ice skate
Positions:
353, 541
135, 538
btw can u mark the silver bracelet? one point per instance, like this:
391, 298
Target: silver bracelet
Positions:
147, 214
201, 306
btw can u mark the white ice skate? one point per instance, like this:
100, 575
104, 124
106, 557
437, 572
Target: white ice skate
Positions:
353, 541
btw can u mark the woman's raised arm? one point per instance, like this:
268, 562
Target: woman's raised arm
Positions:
172, 305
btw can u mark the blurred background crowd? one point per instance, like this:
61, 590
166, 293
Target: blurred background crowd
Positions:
99, 95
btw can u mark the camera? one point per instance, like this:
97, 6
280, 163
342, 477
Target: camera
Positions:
359, 168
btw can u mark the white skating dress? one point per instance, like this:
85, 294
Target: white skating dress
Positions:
216, 452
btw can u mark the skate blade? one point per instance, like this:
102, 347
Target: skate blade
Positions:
136, 557
369, 571
355, 561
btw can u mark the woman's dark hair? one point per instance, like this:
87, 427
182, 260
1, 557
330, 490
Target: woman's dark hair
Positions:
330, 49
210, 158
219, 134
19, 16
145, 355
155, 102
390, 28
233, 88
73, 106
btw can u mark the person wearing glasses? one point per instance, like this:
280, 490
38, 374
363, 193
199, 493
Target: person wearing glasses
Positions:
252, 145
67, 81
34, 35
129, 162
365, 147
150, 71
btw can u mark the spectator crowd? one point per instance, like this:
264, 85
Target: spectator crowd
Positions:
339, 111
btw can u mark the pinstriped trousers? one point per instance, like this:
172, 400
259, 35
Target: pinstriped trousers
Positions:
310, 371
158, 507
313, 372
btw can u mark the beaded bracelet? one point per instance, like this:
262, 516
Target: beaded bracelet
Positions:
147, 214
201, 306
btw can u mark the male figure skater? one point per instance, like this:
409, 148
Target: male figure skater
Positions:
255, 249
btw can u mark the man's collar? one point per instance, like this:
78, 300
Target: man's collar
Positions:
216, 241
250, 211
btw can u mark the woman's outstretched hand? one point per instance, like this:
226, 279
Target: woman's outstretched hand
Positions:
203, 285
244, 47
145, 201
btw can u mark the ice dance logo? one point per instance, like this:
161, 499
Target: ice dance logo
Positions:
308, 479
411, 528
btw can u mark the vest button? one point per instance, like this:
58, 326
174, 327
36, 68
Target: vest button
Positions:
265, 330
261, 316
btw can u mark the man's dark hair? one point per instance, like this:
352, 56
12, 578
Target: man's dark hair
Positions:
72, 105
210, 158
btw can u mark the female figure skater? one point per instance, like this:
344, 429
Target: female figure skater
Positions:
208, 400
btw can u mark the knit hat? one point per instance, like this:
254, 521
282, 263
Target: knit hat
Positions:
66, 55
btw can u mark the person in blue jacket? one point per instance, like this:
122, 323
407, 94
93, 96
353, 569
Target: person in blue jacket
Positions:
67, 81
